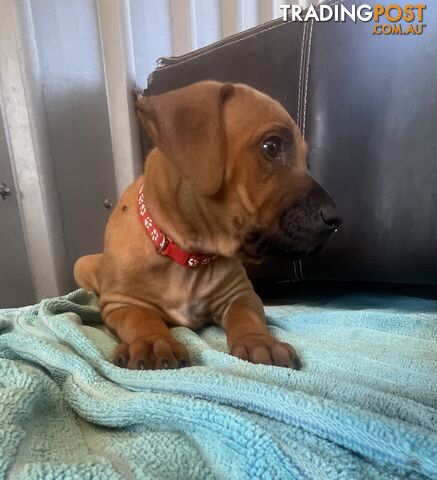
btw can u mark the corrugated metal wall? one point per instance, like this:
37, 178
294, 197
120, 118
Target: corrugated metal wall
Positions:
68, 138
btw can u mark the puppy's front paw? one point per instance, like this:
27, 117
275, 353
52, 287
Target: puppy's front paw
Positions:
263, 348
151, 353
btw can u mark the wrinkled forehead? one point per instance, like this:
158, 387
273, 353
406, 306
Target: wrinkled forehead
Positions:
248, 109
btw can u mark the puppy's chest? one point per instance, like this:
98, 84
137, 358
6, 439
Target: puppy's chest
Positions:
190, 298
193, 314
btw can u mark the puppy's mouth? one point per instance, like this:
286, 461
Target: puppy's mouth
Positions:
259, 245
300, 231
296, 243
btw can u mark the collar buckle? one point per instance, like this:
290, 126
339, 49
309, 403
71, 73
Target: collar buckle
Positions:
163, 244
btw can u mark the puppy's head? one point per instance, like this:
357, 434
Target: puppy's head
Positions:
241, 152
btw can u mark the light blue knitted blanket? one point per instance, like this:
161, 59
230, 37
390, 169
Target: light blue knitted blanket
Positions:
363, 406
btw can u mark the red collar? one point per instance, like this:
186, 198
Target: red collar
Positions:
166, 246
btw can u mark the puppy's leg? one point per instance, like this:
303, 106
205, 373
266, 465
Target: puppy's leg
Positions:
249, 339
86, 272
146, 342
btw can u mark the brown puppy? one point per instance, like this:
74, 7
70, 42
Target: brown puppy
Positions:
228, 177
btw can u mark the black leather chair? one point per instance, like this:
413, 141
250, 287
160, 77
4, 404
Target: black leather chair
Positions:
367, 106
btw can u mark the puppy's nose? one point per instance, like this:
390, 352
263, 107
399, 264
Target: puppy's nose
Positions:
330, 217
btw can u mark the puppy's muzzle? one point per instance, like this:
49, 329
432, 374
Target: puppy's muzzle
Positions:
303, 227
312, 217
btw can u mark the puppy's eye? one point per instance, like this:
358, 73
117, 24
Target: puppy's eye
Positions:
271, 147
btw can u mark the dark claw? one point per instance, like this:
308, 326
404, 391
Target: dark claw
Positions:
184, 364
297, 364
141, 365
119, 361
164, 363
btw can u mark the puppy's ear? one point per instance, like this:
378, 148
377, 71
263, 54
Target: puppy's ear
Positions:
187, 126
